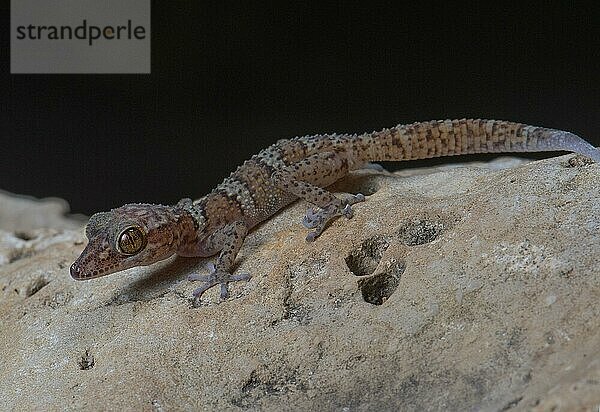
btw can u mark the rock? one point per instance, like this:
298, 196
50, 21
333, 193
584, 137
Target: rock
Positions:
28, 225
23, 213
465, 288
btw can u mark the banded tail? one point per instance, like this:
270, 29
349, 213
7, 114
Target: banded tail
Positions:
455, 137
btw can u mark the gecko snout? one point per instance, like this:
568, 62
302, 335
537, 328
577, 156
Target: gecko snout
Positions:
76, 272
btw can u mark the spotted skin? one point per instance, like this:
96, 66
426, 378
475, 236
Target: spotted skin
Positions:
290, 169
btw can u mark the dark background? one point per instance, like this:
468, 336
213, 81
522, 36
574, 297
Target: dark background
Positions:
228, 81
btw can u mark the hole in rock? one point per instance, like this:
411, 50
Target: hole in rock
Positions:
86, 362
419, 232
364, 260
377, 289
36, 286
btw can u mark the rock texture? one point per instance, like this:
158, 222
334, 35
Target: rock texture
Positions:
23, 213
471, 288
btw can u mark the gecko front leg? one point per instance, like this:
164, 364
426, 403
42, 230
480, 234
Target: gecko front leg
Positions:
228, 240
305, 180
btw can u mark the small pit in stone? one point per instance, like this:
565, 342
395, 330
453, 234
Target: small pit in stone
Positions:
578, 161
419, 232
364, 260
367, 187
86, 362
378, 288
23, 235
36, 286
357, 183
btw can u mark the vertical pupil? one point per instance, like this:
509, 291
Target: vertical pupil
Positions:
131, 240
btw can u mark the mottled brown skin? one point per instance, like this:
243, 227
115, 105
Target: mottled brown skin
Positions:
142, 234
167, 229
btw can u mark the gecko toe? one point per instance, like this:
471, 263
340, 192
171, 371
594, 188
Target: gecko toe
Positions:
352, 199
359, 197
224, 291
311, 219
198, 292
310, 223
347, 212
193, 277
311, 213
213, 279
311, 236
348, 202
240, 276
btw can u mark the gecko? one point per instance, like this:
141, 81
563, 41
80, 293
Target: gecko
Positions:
298, 168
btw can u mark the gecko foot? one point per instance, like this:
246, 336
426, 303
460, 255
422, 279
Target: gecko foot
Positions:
318, 219
216, 277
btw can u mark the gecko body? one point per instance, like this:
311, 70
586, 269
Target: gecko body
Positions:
302, 167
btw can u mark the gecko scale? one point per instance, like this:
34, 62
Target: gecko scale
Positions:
142, 234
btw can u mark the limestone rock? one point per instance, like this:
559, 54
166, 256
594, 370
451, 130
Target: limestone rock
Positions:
22, 213
471, 288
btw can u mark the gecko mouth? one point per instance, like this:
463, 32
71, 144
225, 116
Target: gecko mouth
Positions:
78, 273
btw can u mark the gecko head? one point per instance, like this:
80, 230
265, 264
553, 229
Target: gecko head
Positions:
132, 235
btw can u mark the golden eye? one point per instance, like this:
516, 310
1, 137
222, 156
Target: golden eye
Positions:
131, 241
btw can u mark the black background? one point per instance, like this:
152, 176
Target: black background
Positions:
229, 80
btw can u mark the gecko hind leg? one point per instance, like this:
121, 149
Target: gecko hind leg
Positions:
306, 178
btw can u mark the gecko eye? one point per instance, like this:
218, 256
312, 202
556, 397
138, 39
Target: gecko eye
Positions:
131, 241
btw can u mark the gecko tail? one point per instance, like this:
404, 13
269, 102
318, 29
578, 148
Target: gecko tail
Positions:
561, 140
438, 138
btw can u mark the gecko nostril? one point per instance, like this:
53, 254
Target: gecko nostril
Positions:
75, 271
